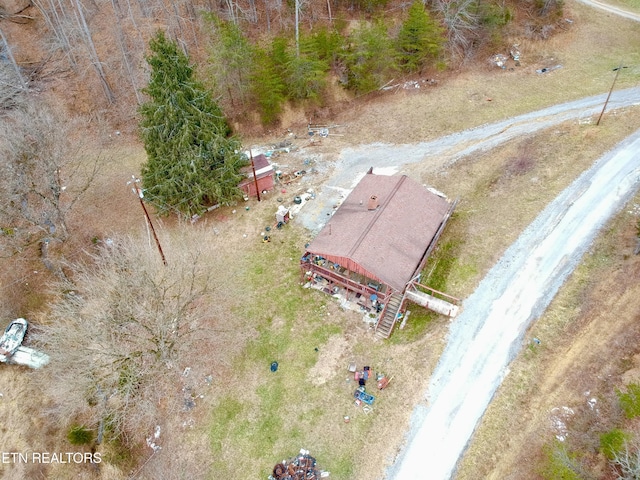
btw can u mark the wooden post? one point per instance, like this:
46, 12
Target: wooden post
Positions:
255, 177
138, 191
609, 95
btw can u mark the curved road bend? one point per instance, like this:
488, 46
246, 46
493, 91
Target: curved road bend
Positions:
353, 162
489, 332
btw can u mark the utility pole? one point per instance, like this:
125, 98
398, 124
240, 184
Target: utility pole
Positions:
297, 6
255, 177
610, 91
138, 191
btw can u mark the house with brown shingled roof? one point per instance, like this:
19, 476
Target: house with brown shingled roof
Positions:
377, 241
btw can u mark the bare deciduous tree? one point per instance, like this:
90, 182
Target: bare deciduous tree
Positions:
63, 29
12, 83
45, 172
462, 23
626, 463
118, 336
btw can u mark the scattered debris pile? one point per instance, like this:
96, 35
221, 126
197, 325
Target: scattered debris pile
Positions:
12, 338
301, 467
410, 84
548, 69
503, 61
12, 351
499, 60
362, 398
321, 130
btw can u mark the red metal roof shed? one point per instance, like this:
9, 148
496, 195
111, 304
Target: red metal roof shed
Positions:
264, 174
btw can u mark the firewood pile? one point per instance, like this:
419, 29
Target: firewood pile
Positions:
302, 467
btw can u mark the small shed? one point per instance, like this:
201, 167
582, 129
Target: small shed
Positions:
264, 173
282, 215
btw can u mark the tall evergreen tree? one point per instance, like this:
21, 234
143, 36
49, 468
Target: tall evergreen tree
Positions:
306, 74
420, 39
192, 159
231, 61
268, 86
368, 57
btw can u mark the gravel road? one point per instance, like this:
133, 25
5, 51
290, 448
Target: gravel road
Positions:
489, 332
612, 9
388, 158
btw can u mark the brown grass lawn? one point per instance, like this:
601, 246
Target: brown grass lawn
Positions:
250, 418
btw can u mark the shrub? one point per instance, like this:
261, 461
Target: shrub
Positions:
560, 464
420, 39
368, 57
79, 435
630, 401
268, 88
613, 442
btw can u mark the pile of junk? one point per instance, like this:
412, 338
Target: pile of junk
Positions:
301, 467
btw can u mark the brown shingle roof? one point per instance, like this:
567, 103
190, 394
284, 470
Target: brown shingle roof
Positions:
386, 243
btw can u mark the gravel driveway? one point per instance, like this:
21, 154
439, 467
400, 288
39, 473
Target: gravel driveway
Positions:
489, 333
388, 158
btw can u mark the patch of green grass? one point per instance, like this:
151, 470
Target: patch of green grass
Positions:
308, 355
441, 263
290, 304
630, 400
559, 463
464, 272
343, 467
290, 330
79, 435
269, 346
311, 416
223, 416
269, 426
613, 442
416, 325
323, 331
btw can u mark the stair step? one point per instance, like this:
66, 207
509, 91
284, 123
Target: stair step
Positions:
388, 320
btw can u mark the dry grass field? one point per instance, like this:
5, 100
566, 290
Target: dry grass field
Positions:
248, 418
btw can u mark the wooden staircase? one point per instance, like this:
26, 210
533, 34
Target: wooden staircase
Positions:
387, 319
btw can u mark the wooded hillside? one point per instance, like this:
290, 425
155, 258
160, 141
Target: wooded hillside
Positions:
255, 56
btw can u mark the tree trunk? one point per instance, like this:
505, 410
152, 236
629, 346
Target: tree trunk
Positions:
12, 60
93, 54
124, 50
52, 18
